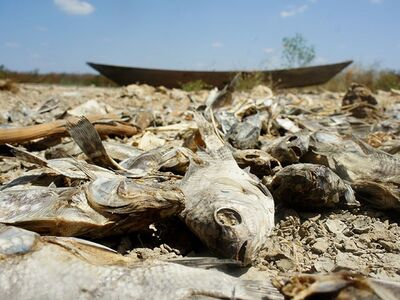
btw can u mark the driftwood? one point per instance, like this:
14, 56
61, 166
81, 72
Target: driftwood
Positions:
109, 124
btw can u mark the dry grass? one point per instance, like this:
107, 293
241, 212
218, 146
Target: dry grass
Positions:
54, 78
194, 86
374, 78
8, 85
248, 81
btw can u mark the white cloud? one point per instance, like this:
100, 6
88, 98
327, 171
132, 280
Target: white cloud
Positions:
268, 50
216, 45
376, 1
12, 44
293, 10
75, 7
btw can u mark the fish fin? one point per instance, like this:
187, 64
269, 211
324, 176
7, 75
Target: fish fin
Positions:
262, 290
83, 168
205, 262
71, 243
247, 170
222, 98
264, 189
367, 149
338, 168
350, 197
27, 156
385, 289
215, 146
193, 167
88, 140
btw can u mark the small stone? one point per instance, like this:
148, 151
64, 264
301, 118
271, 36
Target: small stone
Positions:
320, 246
324, 264
346, 261
391, 260
349, 246
285, 264
390, 246
361, 226
335, 226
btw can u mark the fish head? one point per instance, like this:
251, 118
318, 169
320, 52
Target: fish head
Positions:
233, 220
290, 148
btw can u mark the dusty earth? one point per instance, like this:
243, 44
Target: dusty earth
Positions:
362, 240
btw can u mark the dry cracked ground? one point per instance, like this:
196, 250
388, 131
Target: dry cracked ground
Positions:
362, 240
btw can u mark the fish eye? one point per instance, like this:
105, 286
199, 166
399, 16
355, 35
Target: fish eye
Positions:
227, 217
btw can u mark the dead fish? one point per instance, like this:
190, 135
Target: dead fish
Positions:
310, 186
166, 158
288, 149
86, 136
260, 162
145, 200
372, 173
225, 207
119, 151
340, 285
245, 134
359, 101
64, 166
44, 267
103, 207
57, 211
380, 195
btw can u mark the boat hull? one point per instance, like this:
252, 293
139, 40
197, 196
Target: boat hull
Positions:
285, 78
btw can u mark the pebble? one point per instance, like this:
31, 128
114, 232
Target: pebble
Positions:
285, 264
346, 261
320, 246
349, 246
361, 226
324, 264
335, 226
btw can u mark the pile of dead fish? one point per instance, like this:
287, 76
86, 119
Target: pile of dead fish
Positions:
80, 185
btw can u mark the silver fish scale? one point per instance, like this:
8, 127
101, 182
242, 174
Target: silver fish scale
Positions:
51, 274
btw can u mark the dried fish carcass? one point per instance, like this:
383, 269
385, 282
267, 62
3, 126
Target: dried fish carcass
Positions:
373, 174
341, 285
288, 149
105, 206
227, 209
45, 267
310, 187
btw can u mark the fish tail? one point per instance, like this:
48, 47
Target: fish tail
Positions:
86, 136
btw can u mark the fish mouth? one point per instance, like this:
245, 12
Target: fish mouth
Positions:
242, 254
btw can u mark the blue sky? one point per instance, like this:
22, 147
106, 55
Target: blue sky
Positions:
61, 35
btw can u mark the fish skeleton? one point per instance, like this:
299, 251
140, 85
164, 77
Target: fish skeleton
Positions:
230, 211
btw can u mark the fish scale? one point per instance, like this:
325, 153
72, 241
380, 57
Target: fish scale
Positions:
66, 268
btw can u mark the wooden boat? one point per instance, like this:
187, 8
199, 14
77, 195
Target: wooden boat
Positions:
285, 78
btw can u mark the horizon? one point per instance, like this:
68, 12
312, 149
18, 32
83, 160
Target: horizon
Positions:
62, 35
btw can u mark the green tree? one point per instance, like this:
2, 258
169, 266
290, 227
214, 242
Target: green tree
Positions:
296, 51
